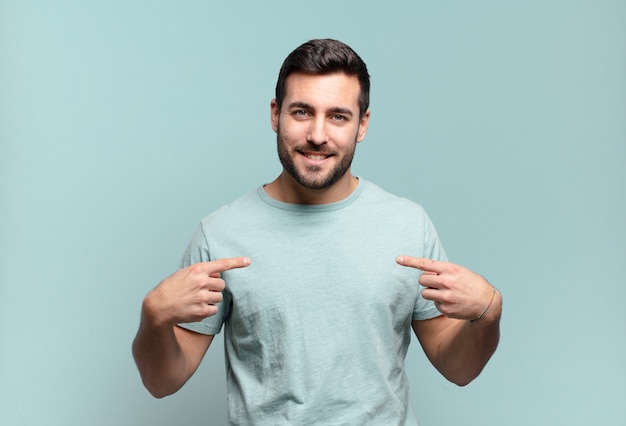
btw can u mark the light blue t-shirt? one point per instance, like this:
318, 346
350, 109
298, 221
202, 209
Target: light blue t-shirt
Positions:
318, 326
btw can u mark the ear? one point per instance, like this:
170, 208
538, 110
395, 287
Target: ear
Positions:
363, 125
274, 112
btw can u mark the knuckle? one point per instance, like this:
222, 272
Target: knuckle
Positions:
214, 297
224, 264
217, 284
196, 269
217, 265
210, 310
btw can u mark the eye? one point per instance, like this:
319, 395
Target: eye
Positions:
300, 113
339, 118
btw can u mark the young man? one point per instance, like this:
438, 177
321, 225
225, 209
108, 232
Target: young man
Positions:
317, 277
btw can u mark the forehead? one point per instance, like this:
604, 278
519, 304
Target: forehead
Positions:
334, 90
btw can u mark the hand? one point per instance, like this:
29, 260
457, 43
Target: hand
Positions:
457, 292
190, 294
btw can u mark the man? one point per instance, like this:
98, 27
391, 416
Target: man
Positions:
318, 277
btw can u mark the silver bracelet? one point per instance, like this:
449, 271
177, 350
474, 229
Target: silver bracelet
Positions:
493, 296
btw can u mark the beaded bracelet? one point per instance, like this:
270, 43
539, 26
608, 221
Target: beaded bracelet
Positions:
493, 295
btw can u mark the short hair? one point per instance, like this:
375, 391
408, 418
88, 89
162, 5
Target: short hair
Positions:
325, 56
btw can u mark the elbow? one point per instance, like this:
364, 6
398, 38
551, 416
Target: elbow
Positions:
158, 391
462, 381
463, 378
159, 385
158, 394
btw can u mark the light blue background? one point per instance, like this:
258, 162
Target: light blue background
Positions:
123, 123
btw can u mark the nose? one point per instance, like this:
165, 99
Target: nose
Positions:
317, 132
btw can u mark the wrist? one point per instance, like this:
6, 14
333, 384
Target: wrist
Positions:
152, 314
492, 310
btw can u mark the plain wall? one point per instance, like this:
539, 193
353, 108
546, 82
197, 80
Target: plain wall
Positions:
122, 124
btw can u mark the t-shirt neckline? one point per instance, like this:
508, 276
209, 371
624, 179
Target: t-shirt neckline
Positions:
312, 207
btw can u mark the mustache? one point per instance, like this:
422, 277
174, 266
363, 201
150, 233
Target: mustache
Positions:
311, 147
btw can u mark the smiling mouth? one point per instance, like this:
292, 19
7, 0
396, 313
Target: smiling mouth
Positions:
315, 154
315, 157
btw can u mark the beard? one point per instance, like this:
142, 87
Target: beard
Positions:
313, 177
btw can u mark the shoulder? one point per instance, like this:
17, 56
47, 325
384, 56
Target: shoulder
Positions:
375, 195
238, 209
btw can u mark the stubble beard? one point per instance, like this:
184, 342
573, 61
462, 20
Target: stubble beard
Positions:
312, 177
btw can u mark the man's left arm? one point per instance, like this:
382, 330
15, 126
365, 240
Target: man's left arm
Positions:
461, 341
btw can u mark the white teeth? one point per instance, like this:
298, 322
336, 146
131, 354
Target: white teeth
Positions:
316, 157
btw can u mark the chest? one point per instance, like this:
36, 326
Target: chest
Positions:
328, 278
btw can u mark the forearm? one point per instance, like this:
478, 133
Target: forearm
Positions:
466, 347
167, 355
160, 360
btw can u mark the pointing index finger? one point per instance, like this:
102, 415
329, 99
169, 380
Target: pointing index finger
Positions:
422, 263
225, 264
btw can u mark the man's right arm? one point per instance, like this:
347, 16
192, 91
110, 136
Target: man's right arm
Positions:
167, 355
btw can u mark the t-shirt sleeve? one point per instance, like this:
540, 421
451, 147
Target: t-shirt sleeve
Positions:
197, 251
433, 249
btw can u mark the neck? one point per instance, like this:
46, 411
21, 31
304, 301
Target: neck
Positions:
284, 188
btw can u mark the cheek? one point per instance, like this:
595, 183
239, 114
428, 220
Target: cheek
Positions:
346, 138
285, 141
291, 132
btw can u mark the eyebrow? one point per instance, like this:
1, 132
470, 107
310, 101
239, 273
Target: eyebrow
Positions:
337, 110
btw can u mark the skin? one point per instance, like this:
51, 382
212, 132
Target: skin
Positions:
167, 355
318, 127
457, 347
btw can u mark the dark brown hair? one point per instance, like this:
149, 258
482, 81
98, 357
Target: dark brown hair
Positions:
325, 56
